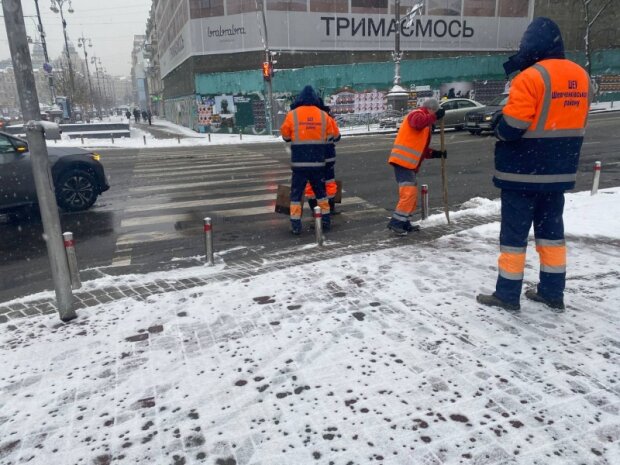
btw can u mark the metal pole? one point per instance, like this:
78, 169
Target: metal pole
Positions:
90, 85
47, 58
144, 137
64, 31
24, 77
260, 5
72, 260
424, 201
318, 226
597, 177
397, 54
209, 241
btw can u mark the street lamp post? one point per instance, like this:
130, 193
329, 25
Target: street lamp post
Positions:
397, 96
46, 67
93, 61
82, 43
269, 103
57, 7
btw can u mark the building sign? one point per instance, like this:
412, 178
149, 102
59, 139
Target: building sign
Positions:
355, 31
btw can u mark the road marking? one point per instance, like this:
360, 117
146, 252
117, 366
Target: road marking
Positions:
172, 187
201, 161
196, 194
205, 166
199, 203
156, 236
150, 220
207, 171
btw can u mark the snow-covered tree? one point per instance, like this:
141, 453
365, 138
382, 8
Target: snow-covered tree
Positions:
592, 10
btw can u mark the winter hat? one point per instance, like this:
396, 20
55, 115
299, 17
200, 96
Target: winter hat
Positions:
431, 103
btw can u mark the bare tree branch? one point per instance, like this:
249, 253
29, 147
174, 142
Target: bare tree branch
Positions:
603, 8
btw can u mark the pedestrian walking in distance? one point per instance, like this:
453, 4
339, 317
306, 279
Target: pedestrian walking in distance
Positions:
536, 158
128, 115
410, 148
331, 188
309, 130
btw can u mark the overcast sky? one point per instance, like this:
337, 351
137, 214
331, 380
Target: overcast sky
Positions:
111, 24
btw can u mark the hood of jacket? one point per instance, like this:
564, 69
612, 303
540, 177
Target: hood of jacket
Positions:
541, 40
307, 96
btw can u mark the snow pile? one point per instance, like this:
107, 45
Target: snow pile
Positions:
378, 357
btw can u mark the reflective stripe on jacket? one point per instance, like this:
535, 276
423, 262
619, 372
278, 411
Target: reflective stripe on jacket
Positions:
308, 129
548, 106
410, 145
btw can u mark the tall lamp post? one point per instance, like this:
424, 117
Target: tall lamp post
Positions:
46, 66
82, 42
268, 59
397, 96
97, 62
57, 7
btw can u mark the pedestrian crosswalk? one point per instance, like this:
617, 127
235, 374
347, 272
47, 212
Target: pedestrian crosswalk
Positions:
173, 191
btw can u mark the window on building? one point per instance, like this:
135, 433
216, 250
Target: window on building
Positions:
479, 8
287, 5
513, 8
330, 6
369, 6
444, 7
206, 8
234, 7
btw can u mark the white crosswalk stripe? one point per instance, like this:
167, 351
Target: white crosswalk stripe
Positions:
171, 194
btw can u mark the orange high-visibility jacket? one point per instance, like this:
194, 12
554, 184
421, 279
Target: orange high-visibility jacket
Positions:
547, 109
410, 146
309, 130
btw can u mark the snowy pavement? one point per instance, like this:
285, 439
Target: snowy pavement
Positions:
380, 357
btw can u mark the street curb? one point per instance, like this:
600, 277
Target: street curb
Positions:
378, 239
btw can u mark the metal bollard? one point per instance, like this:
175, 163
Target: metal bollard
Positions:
240, 135
72, 260
597, 177
318, 226
179, 139
82, 138
209, 241
209, 137
424, 201
112, 136
144, 137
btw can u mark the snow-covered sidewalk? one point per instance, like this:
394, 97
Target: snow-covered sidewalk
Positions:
380, 357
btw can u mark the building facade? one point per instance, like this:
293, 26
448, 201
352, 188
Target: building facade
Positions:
208, 48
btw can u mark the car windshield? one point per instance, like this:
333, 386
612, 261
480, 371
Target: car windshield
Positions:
499, 101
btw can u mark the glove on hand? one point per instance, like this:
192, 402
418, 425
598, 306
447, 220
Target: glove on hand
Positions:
440, 113
439, 154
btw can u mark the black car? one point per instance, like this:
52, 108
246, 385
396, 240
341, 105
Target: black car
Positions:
78, 176
486, 118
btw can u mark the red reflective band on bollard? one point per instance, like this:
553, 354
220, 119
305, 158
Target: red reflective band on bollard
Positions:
69, 243
208, 227
317, 215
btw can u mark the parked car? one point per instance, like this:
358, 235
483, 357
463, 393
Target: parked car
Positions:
456, 111
391, 119
485, 119
77, 174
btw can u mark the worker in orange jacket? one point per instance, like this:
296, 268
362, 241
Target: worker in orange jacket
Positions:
309, 130
410, 148
536, 159
331, 187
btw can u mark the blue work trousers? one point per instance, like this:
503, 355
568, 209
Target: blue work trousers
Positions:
521, 209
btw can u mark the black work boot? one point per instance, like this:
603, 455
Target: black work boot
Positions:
555, 305
493, 301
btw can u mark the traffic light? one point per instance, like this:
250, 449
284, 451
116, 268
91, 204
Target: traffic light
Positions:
267, 70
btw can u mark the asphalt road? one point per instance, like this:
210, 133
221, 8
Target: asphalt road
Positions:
151, 218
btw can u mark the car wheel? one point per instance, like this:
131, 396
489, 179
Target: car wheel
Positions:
76, 190
475, 132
